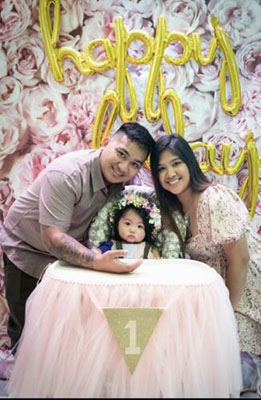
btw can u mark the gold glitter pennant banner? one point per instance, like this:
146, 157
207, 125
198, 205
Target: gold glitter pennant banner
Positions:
132, 328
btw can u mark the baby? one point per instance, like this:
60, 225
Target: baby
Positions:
135, 222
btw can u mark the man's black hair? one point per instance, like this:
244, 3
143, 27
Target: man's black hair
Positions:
138, 134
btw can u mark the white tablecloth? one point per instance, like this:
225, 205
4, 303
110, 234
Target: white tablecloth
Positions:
69, 349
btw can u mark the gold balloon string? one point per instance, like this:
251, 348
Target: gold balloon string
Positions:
109, 99
248, 154
92, 63
116, 57
170, 95
186, 44
229, 65
78, 58
197, 52
148, 44
225, 154
205, 165
50, 37
114, 101
253, 173
153, 115
214, 167
123, 76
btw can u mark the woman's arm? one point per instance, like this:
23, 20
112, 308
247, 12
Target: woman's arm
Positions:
237, 256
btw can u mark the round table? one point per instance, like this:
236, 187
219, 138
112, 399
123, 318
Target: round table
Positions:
165, 330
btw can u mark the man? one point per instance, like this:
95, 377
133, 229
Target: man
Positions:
51, 219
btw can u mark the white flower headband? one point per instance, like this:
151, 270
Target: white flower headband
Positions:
151, 211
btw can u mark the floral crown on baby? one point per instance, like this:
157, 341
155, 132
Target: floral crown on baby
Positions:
150, 210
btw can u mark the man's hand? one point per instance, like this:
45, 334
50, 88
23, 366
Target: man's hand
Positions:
95, 250
68, 249
110, 262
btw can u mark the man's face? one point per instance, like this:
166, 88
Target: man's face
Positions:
121, 159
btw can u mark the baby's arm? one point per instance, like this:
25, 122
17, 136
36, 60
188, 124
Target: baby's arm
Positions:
104, 247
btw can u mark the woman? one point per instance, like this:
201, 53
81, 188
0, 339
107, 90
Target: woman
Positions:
218, 222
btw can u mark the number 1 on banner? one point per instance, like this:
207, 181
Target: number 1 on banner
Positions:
132, 349
123, 322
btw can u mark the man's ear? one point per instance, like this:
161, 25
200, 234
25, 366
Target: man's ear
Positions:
105, 141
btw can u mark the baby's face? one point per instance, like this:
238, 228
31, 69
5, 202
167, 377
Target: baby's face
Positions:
131, 227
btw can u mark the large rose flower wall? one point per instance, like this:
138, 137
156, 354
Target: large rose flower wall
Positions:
40, 118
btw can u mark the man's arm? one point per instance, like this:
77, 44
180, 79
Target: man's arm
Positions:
238, 257
66, 248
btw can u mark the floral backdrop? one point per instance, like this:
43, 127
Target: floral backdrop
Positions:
41, 119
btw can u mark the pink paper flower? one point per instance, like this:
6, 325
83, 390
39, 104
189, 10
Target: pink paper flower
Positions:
25, 56
28, 167
45, 113
13, 135
15, 18
6, 196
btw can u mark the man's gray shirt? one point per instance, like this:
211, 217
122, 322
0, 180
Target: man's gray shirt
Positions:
65, 195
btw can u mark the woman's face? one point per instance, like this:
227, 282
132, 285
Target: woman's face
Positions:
131, 227
173, 173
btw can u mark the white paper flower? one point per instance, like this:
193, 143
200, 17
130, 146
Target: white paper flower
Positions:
13, 135
199, 112
3, 63
25, 56
45, 113
70, 139
28, 167
218, 135
15, 18
71, 15
6, 196
185, 16
249, 59
239, 18
11, 92
249, 115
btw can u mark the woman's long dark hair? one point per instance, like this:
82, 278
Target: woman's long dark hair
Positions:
198, 181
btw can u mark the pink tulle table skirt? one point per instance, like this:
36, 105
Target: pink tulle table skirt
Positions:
69, 350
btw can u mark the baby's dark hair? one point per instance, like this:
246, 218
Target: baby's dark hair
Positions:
148, 229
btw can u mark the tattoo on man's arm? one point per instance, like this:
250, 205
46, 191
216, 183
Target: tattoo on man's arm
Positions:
72, 252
